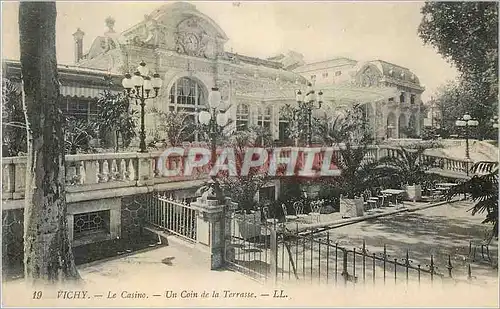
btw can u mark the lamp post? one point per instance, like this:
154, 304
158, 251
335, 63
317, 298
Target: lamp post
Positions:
213, 118
390, 127
309, 102
139, 87
466, 121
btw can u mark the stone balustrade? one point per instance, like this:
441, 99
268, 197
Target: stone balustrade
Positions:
105, 171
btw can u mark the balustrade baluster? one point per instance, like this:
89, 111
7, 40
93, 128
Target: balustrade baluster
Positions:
111, 173
119, 169
78, 172
100, 174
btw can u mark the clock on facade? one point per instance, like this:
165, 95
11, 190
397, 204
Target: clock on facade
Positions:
190, 42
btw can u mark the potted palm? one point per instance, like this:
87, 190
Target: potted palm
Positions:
407, 169
349, 132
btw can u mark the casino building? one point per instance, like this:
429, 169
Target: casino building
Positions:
187, 49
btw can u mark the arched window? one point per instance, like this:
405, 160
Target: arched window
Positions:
264, 117
242, 117
186, 95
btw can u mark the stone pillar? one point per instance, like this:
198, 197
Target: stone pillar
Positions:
218, 217
144, 169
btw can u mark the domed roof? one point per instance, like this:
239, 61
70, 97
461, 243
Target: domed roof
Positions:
396, 72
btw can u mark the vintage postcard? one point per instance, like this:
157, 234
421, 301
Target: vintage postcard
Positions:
249, 154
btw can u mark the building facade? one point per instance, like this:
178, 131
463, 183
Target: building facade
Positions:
390, 116
186, 48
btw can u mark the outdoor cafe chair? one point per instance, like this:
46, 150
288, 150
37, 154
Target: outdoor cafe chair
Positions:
484, 246
316, 211
299, 210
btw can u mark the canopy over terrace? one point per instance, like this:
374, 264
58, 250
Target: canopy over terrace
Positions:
336, 95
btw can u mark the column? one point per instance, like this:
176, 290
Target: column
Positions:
218, 217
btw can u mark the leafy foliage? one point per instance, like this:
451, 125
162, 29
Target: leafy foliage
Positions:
77, 135
408, 166
242, 188
350, 127
466, 33
114, 114
453, 100
483, 191
176, 126
350, 133
13, 121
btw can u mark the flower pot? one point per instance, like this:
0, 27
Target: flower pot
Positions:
351, 207
246, 226
414, 193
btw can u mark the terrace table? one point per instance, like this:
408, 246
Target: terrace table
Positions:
393, 192
446, 185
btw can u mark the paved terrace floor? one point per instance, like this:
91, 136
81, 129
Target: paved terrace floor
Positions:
441, 229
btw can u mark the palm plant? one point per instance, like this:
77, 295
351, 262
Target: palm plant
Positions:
483, 191
177, 126
407, 166
350, 134
114, 115
77, 135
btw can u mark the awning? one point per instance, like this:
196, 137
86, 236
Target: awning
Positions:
74, 91
336, 94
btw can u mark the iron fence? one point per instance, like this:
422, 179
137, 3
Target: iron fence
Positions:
177, 217
272, 252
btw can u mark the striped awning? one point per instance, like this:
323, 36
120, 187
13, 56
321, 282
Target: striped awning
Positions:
78, 91
86, 92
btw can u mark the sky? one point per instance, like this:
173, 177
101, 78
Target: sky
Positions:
318, 30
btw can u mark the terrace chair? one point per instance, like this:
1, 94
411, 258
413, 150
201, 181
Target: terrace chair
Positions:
298, 206
316, 211
286, 215
483, 244
371, 200
267, 217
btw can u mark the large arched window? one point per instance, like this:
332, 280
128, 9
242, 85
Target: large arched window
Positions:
186, 95
242, 117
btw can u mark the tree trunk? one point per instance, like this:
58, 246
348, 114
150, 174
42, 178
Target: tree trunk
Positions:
48, 256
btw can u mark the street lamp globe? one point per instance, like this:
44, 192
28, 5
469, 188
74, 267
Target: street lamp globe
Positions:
214, 98
460, 123
143, 68
221, 119
156, 81
127, 82
137, 79
148, 86
467, 117
204, 117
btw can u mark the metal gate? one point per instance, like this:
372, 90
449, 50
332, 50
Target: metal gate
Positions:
176, 217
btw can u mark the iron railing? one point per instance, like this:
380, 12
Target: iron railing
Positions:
272, 252
176, 217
